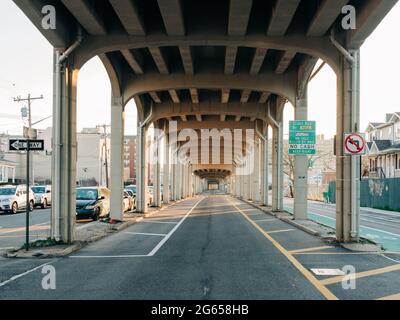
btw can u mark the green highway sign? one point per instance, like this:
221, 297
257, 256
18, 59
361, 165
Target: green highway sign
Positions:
302, 137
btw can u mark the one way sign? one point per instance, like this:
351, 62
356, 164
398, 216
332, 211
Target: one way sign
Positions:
22, 145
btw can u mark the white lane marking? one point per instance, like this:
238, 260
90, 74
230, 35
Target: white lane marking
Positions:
146, 234
163, 222
23, 274
163, 241
266, 220
159, 245
255, 214
279, 231
120, 256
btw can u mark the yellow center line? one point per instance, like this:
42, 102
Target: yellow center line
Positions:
279, 231
309, 249
307, 274
363, 274
392, 297
339, 253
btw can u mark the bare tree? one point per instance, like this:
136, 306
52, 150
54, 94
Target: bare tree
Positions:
289, 164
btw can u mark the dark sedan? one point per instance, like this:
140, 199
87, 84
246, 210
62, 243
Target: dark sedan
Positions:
92, 203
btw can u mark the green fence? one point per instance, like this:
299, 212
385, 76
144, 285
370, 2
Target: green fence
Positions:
375, 193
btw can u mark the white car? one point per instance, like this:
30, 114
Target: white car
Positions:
132, 199
13, 198
42, 196
126, 202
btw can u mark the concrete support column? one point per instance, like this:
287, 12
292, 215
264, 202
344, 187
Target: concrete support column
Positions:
265, 170
347, 167
184, 181
141, 170
256, 172
117, 156
166, 171
173, 181
64, 154
190, 181
242, 186
179, 182
277, 172
157, 168
301, 164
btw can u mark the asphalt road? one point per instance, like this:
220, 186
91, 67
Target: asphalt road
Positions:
209, 247
382, 226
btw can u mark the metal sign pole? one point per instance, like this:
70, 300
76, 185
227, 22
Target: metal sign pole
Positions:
27, 194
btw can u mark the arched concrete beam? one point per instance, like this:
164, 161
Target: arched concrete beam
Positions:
319, 47
112, 75
170, 109
283, 85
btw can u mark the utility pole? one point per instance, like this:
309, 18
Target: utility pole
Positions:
29, 99
104, 127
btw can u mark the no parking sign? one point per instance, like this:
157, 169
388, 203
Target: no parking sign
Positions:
354, 144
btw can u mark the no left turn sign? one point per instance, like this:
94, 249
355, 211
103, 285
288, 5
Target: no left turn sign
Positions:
354, 144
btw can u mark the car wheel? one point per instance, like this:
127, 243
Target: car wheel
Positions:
96, 214
14, 208
44, 205
31, 205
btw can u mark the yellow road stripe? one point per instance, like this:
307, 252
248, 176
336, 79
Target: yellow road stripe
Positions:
279, 231
340, 253
363, 274
309, 249
392, 297
307, 274
36, 227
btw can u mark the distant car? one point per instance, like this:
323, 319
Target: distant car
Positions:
42, 196
150, 194
13, 199
92, 203
131, 188
127, 202
132, 199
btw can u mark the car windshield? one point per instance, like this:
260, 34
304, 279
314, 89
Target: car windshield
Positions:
38, 189
132, 188
86, 194
7, 191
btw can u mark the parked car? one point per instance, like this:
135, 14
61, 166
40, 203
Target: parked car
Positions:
132, 188
150, 195
126, 202
132, 199
92, 203
13, 198
42, 196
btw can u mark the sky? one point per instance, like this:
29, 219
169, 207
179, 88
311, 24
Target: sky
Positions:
26, 60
